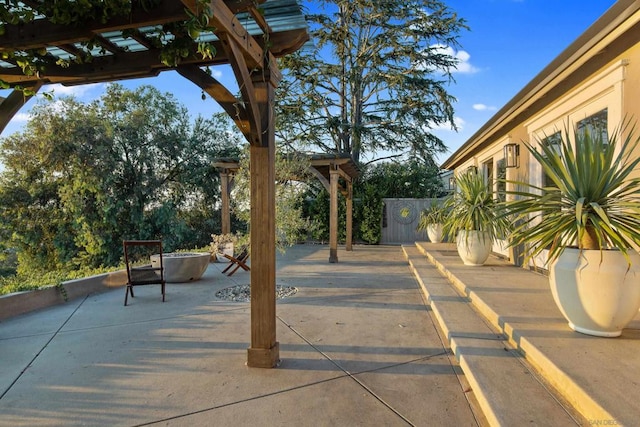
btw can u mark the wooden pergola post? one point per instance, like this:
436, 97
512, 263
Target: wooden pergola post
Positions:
329, 169
334, 175
349, 197
264, 351
225, 188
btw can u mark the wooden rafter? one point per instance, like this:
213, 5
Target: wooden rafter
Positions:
229, 103
145, 63
243, 76
40, 33
10, 105
225, 22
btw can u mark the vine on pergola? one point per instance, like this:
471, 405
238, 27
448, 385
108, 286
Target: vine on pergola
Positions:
175, 40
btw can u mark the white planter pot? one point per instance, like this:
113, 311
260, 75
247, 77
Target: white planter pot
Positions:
434, 232
182, 267
224, 248
474, 247
596, 291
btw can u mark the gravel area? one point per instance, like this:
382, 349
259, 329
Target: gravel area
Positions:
242, 293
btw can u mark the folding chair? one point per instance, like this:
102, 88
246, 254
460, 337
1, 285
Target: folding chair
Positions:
237, 262
136, 251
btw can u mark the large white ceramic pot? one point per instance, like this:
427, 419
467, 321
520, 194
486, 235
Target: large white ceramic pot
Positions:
596, 291
182, 267
474, 247
434, 232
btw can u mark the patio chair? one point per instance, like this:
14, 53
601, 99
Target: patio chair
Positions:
237, 262
139, 251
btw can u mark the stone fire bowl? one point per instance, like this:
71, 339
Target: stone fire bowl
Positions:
180, 267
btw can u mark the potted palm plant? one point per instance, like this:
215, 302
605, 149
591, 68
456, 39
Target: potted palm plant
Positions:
588, 220
432, 220
473, 219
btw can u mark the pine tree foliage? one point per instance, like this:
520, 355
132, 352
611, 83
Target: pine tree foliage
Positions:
373, 81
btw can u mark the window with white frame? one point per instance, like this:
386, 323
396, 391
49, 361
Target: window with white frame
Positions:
501, 174
487, 171
553, 142
595, 125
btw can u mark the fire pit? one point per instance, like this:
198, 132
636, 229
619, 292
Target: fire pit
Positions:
180, 267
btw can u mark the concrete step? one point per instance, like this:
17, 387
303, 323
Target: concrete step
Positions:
510, 392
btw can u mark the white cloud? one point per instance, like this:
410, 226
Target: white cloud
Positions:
463, 66
21, 118
483, 107
75, 91
459, 122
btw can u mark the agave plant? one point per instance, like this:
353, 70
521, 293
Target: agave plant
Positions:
435, 214
594, 202
473, 207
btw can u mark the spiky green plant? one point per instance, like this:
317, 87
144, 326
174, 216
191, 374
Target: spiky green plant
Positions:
595, 200
473, 207
436, 213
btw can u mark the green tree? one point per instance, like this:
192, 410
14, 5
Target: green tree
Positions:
82, 177
409, 179
317, 206
375, 81
370, 214
292, 172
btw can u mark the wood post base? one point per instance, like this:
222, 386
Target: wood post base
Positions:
263, 357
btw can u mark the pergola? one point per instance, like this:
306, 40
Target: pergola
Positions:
329, 169
248, 35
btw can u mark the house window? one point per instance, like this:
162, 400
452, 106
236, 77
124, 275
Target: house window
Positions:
501, 186
552, 141
596, 125
487, 170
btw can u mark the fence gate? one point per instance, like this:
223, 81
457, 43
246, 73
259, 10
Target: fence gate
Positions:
400, 219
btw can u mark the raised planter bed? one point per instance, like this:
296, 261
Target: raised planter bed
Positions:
23, 302
181, 267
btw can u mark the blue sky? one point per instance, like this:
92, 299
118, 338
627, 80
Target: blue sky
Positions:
509, 42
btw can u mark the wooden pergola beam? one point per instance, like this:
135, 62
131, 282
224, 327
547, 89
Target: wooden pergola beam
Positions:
225, 22
243, 75
40, 33
229, 103
10, 105
35, 34
128, 65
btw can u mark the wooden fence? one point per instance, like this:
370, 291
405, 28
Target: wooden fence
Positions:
400, 219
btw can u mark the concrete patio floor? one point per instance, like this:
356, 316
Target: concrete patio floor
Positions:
358, 347
389, 336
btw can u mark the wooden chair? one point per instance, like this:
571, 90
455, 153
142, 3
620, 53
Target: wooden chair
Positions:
136, 251
237, 262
